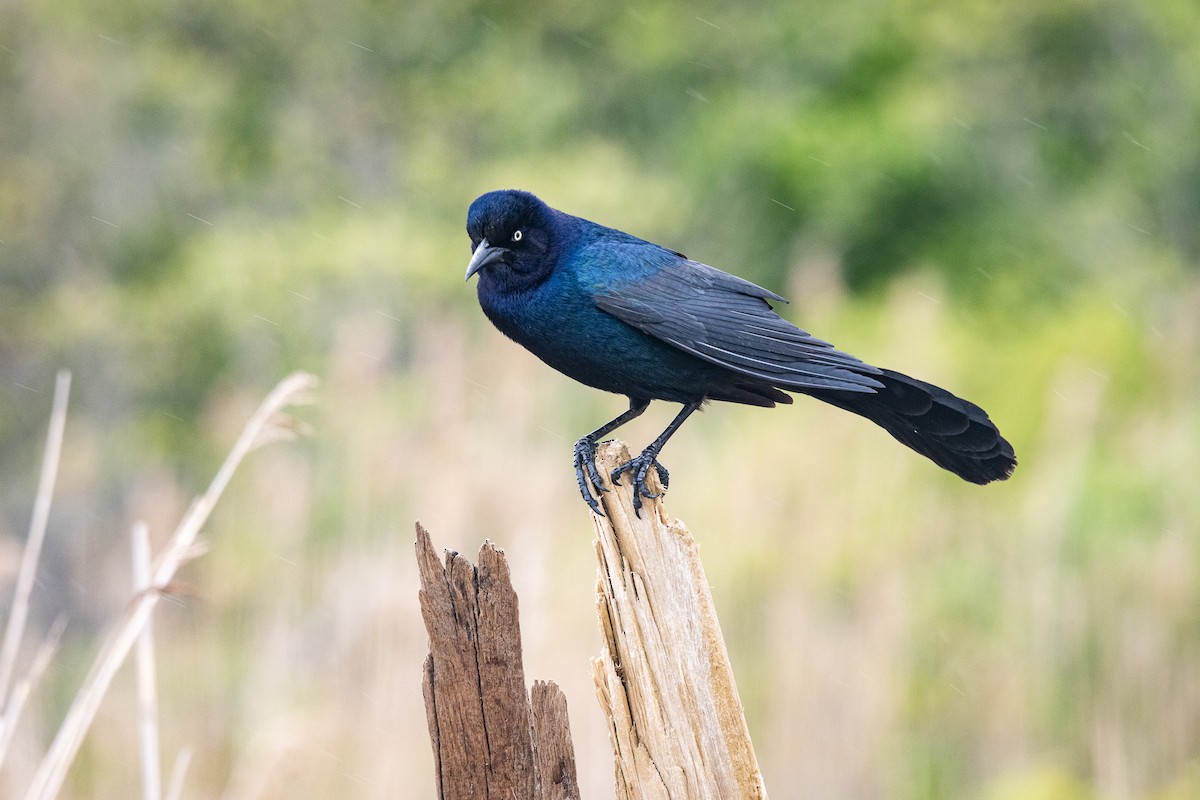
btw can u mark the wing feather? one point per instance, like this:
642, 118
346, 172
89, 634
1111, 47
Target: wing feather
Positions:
728, 321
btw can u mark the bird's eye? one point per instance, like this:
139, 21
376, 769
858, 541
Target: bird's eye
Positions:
517, 236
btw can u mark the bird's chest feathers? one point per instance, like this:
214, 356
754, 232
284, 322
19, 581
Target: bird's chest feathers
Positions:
540, 318
560, 324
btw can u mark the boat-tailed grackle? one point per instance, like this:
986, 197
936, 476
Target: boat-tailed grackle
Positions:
628, 316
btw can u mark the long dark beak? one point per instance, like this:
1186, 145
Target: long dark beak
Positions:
484, 254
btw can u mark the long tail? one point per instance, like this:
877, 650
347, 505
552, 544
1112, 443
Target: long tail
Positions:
953, 433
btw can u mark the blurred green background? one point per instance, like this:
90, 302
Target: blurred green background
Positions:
1000, 197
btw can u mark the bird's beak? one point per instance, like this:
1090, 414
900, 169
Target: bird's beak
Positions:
484, 254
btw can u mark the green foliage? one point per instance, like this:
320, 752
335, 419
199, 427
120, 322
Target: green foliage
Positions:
1003, 197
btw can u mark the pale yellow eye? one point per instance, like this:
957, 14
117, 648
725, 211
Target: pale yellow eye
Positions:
517, 236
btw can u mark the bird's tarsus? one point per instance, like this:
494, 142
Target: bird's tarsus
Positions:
586, 473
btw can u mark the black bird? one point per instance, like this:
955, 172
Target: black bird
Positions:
628, 316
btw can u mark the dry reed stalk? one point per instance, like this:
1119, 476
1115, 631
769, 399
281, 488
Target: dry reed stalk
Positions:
261, 427
178, 773
14, 632
12, 703
25, 686
147, 694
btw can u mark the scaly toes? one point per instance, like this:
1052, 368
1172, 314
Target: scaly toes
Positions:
594, 475
586, 492
664, 477
626, 467
587, 475
639, 467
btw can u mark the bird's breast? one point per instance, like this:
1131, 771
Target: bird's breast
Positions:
563, 327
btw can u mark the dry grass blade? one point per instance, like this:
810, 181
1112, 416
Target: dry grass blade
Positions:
24, 687
146, 682
15, 630
293, 390
178, 773
53, 769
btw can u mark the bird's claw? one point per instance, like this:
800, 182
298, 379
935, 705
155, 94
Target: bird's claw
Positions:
639, 466
587, 475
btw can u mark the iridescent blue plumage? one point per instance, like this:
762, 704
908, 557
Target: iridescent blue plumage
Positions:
625, 315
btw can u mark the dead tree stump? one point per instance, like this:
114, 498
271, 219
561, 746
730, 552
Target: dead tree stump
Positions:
488, 740
663, 676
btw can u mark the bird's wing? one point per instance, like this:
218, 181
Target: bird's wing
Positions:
726, 320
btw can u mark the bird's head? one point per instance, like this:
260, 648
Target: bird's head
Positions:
510, 234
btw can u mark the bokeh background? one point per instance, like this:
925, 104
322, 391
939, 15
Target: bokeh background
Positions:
1001, 197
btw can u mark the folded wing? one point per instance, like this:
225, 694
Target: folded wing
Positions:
726, 320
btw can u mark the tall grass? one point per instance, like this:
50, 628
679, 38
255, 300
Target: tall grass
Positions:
894, 632
150, 583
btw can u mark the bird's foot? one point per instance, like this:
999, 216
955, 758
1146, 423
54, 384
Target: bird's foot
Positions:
639, 466
586, 473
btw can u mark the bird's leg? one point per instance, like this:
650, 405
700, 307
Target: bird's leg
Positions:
640, 464
586, 472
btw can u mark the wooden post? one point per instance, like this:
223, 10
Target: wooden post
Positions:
663, 677
489, 740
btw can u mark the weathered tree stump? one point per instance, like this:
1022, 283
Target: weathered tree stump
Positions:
488, 740
663, 676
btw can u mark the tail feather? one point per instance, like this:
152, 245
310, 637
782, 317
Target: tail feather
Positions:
953, 433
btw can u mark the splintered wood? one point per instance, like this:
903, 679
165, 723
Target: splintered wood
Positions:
663, 676
488, 740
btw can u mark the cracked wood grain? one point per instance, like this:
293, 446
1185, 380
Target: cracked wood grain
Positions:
663, 677
488, 740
